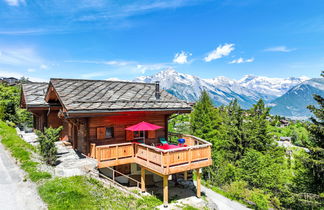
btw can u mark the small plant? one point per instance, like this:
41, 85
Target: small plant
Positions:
47, 141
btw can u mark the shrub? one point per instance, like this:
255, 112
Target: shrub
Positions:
240, 191
47, 143
260, 199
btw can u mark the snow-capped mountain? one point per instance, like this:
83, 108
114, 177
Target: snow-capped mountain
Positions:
222, 90
188, 87
272, 87
294, 102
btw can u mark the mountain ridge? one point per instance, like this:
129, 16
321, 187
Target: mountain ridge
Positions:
276, 92
222, 90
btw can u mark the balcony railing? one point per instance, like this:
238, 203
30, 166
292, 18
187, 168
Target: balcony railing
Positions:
197, 154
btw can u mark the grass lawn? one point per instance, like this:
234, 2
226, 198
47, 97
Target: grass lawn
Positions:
80, 192
21, 151
77, 192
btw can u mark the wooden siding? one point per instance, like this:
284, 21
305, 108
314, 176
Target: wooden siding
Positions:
120, 122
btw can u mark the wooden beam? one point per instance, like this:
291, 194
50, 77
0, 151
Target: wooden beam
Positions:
185, 175
142, 179
165, 191
198, 183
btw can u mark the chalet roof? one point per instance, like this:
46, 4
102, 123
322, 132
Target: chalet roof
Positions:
34, 94
106, 96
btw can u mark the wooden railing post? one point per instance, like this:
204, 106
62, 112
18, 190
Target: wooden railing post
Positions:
93, 150
98, 153
147, 155
117, 155
168, 161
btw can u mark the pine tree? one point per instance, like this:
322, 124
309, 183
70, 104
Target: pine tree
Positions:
317, 128
205, 123
257, 134
234, 130
204, 119
316, 160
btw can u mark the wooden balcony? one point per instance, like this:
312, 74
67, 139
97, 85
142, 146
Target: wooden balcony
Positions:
163, 162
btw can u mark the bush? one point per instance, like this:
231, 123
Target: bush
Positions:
256, 197
47, 141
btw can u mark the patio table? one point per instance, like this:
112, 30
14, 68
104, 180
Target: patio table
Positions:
168, 146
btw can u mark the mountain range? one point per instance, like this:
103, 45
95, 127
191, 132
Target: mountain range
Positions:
287, 96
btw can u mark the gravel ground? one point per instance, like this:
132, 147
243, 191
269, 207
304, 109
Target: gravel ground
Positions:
15, 193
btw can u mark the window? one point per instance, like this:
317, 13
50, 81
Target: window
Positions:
138, 134
109, 132
105, 132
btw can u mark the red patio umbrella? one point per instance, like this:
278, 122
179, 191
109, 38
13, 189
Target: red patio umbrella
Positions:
143, 126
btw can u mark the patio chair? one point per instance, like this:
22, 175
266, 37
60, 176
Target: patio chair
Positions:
163, 141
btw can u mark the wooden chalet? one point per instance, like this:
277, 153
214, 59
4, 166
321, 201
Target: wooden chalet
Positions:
96, 113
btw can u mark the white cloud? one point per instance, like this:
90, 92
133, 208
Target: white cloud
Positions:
181, 58
110, 62
43, 67
279, 49
20, 56
116, 79
31, 70
242, 60
142, 68
10, 73
15, 2
219, 52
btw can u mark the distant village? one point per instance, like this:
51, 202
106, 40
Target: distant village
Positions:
11, 81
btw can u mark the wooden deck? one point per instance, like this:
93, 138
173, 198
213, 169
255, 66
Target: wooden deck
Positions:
163, 162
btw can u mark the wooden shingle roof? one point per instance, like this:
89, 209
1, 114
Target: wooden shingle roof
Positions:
34, 94
105, 96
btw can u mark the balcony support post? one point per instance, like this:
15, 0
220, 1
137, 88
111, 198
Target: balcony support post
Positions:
198, 183
142, 179
185, 175
165, 191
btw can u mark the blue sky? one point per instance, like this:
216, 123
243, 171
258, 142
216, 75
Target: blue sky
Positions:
100, 39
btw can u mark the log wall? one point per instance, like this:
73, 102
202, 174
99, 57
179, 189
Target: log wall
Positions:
121, 122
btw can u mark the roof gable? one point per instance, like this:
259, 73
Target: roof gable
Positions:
33, 95
101, 95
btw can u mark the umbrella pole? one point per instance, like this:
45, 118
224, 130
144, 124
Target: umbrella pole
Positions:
144, 137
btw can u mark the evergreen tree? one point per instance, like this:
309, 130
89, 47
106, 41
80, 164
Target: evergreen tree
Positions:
204, 119
205, 123
315, 162
256, 129
234, 130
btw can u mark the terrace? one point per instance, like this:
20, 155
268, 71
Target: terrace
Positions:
195, 154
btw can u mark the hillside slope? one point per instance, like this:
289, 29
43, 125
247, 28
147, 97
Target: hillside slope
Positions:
294, 102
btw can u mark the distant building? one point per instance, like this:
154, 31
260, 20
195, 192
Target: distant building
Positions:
9, 80
284, 123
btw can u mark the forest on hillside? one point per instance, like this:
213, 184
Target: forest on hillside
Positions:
249, 165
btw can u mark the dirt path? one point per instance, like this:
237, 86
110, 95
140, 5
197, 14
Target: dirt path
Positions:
15, 194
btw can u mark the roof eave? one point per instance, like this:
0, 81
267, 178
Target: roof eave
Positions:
80, 112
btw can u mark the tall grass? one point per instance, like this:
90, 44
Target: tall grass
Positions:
21, 151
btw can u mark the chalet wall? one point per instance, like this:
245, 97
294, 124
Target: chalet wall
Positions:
120, 122
44, 118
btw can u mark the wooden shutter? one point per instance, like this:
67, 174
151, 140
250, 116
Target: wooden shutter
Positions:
151, 134
101, 133
129, 135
